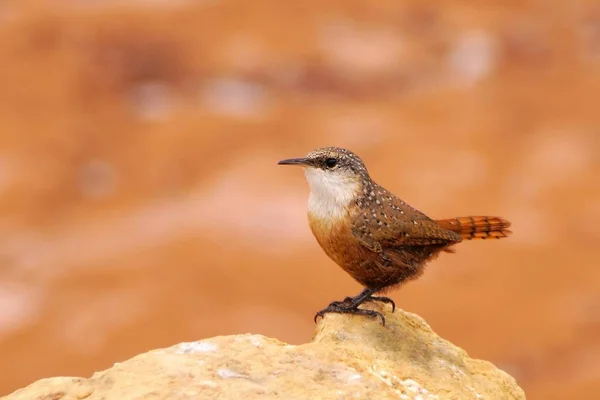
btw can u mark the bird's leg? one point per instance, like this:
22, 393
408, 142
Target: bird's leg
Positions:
351, 300
350, 305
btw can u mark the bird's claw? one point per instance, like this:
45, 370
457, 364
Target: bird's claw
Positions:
383, 299
337, 308
347, 302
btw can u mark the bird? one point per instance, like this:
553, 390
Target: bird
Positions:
379, 240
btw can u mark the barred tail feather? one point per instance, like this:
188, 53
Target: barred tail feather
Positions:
477, 227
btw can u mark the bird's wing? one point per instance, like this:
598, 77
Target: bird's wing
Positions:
394, 224
422, 232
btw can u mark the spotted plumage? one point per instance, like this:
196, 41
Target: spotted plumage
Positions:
374, 236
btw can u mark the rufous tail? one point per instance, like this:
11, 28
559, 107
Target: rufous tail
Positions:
477, 227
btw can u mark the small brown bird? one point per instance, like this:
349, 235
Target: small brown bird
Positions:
374, 236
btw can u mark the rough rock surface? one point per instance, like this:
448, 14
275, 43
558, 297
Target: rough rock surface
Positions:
348, 358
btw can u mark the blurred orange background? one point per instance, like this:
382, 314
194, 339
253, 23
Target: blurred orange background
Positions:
141, 204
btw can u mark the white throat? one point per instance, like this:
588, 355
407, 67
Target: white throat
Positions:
330, 193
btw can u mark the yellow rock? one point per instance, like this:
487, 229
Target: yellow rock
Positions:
350, 357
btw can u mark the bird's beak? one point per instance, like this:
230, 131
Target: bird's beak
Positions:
294, 161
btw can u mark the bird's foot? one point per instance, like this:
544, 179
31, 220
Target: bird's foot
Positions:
382, 299
343, 307
349, 300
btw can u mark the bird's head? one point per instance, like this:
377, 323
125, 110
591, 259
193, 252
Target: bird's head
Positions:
332, 172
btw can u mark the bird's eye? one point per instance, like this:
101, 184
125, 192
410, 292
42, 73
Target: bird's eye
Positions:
330, 162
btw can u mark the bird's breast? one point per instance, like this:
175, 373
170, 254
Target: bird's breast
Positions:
334, 235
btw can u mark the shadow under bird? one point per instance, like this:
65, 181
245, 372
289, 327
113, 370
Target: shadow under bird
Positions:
374, 236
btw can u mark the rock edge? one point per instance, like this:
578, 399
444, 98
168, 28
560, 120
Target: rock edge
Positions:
349, 357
